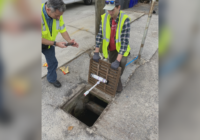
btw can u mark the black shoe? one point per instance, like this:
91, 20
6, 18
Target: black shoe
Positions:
57, 84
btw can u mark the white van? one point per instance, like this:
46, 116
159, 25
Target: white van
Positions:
87, 2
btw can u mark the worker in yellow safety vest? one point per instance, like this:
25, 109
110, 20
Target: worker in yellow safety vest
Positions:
52, 24
114, 34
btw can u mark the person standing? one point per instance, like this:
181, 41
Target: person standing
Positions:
114, 34
52, 24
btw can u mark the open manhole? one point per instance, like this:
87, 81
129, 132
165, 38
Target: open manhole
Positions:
88, 109
85, 109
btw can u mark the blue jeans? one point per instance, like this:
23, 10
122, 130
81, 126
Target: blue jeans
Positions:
52, 63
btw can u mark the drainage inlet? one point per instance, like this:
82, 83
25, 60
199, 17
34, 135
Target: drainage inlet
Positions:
85, 109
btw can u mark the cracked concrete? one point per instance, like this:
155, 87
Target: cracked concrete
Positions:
135, 110
81, 29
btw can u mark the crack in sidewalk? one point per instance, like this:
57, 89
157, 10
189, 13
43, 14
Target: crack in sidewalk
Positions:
86, 30
81, 29
145, 61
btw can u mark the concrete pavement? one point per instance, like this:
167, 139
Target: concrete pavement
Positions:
133, 114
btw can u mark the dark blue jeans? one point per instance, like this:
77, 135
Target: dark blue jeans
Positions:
52, 63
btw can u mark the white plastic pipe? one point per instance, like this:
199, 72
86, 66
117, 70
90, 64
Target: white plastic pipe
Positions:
87, 92
99, 78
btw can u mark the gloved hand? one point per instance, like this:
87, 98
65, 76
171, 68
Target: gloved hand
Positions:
115, 65
96, 56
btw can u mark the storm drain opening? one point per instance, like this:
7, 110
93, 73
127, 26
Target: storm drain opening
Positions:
86, 109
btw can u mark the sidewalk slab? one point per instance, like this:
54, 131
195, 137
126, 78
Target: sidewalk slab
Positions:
86, 41
135, 109
134, 114
88, 23
150, 46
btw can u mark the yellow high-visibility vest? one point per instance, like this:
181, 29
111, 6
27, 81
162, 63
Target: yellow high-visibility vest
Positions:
58, 26
106, 32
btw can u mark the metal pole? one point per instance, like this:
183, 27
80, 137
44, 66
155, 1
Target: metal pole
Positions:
145, 32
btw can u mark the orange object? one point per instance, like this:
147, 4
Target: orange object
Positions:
70, 128
45, 65
64, 70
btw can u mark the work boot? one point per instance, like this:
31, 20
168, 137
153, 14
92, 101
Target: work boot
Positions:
119, 88
57, 84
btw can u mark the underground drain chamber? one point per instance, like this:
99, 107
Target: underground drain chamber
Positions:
86, 109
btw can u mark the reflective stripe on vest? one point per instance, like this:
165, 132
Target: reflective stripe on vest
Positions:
104, 29
119, 33
57, 26
43, 25
106, 33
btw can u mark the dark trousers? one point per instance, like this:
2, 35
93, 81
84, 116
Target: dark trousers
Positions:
52, 63
113, 56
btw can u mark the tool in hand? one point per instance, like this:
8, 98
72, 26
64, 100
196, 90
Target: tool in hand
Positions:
100, 79
69, 44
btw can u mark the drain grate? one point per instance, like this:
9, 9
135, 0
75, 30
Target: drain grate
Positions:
104, 70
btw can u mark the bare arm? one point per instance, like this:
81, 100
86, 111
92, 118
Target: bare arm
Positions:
66, 36
119, 57
97, 49
48, 42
